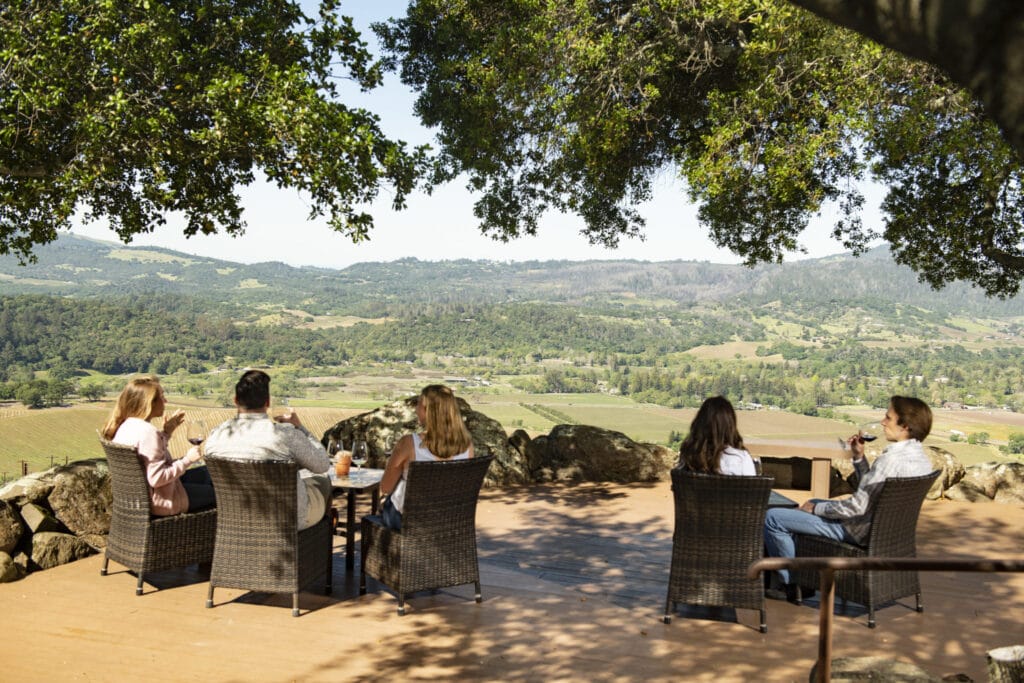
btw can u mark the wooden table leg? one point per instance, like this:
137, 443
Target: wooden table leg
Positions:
350, 531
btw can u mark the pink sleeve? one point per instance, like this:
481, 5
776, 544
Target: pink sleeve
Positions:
160, 468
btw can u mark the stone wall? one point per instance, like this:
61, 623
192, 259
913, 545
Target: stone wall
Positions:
53, 517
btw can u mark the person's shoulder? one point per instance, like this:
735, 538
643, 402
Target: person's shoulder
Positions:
136, 425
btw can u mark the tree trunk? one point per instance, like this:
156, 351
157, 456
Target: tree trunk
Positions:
1006, 664
979, 44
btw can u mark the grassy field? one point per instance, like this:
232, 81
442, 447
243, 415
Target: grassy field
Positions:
55, 435
52, 436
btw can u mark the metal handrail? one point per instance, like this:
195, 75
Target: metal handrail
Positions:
828, 566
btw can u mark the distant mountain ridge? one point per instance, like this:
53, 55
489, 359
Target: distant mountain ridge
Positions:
82, 267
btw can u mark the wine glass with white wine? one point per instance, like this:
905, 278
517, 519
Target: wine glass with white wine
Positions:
360, 453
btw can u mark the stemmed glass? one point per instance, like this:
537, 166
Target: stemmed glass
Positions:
195, 432
869, 431
360, 453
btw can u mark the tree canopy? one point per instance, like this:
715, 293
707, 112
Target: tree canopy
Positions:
130, 109
767, 111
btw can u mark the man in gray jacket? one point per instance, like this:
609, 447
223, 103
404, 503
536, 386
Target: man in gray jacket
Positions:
252, 435
907, 422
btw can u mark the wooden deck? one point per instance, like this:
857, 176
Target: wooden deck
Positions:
574, 585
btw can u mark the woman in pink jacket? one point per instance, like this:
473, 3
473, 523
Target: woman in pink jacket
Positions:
173, 487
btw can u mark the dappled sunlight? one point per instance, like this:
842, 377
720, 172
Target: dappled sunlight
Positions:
574, 583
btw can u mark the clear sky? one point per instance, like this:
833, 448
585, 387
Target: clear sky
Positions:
442, 225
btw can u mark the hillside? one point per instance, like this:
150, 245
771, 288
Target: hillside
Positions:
80, 267
804, 336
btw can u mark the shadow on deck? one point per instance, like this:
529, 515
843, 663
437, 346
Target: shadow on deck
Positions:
574, 583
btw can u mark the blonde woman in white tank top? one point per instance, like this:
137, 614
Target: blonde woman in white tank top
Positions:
444, 437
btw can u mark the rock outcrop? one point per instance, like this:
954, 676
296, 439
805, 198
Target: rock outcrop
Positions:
55, 516
1000, 482
380, 429
10, 527
573, 453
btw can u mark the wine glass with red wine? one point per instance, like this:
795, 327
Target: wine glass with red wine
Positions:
869, 431
195, 432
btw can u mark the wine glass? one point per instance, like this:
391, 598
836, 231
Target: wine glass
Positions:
195, 432
869, 431
360, 453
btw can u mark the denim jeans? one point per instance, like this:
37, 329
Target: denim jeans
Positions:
781, 523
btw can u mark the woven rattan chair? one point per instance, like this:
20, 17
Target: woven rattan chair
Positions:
719, 531
141, 541
436, 547
259, 546
893, 534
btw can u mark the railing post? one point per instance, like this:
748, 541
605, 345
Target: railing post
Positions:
825, 610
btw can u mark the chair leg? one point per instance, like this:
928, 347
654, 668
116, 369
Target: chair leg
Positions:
103, 569
669, 608
920, 605
295, 604
138, 586
871, 616
764, 621
799, 596
329, 588
209, 596
401, 605
362, 567
479, 597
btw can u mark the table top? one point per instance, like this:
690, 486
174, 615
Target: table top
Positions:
360, 478
777, 500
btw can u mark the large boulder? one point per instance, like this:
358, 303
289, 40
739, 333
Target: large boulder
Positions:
81, 496
32, 488
383, 426
51, 549
38, 519
10, 527
585, 453
952, 471
874, 668
1001, 482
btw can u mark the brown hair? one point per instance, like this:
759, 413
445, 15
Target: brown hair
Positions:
444, 433
136, 400
712, 431
914, 414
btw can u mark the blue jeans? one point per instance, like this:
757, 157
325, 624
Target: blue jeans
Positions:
781, 523
392, 518
199, 488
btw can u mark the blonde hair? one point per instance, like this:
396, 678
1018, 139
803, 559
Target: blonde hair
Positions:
444, 433
136, 400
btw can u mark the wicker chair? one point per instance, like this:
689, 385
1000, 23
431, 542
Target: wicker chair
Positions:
893, 534
436, 547
719, 531
259, 546
141, 541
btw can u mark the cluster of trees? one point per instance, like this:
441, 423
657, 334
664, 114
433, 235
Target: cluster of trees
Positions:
632, 355
42, 393
573, 107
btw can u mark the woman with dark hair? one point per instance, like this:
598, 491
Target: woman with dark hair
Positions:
173, 487
444, 437
714, 444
